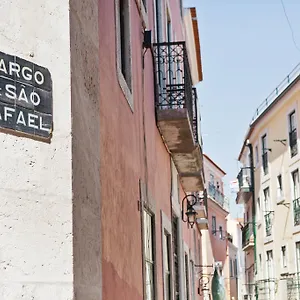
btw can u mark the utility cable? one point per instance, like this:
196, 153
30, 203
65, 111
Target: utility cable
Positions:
290, 25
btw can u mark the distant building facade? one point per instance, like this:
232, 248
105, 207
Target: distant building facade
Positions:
215, 240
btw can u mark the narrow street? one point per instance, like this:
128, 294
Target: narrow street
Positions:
129, 168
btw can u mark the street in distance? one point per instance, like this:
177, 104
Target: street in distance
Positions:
25, 97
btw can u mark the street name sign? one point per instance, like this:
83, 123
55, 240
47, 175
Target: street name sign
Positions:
26, 103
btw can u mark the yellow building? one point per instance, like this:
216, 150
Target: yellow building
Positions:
271, 233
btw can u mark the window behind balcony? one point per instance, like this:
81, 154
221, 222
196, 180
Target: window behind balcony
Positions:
149, 255
267, 212
264, 154
296, 195
293, 134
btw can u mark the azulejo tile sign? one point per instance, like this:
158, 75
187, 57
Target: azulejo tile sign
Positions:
26, 103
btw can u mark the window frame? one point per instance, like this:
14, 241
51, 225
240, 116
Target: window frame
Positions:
167, 250
214, 225
265, 156
149, 261
126, 84
283, 257
292, 127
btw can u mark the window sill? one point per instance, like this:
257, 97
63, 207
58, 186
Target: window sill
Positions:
280, 199
294, 159
296, 229
268, 239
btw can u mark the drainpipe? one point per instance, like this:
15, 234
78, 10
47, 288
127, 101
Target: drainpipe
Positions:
249, 145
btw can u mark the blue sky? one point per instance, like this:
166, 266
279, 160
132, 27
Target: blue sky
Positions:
247, 49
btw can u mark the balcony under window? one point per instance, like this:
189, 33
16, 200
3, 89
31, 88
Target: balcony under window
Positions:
176, 112
216, 194
245, 190
247, 237
296, 205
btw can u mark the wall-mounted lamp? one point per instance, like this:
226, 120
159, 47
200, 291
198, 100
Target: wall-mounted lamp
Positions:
188, 213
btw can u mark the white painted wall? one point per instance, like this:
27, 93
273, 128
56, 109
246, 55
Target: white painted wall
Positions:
35, 191
234, 229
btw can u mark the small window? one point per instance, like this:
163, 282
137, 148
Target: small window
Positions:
258, 212
235, 269
214, 225
283, 256
260, 260
221, 232
279, 187
293, 134
256, 155
265, 154
231, 267
211, 178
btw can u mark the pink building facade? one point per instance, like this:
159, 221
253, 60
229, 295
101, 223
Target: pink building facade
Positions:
146, 94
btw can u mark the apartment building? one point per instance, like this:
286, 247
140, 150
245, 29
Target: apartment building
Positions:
102, 191
215, 240
269, 189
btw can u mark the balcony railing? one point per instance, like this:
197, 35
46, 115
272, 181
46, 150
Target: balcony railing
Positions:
296, 205
268, 223
175, 88
293, 142
195, 116
247, 235
295, 73
244, 178
214, 193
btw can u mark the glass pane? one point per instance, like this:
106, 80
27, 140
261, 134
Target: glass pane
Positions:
166, 253
296, 184
148, 242
149, 281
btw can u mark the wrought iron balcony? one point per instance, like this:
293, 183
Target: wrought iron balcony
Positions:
269, 223
247, 237
244, 179
296, 205
201, 205
216, 194
177, 112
